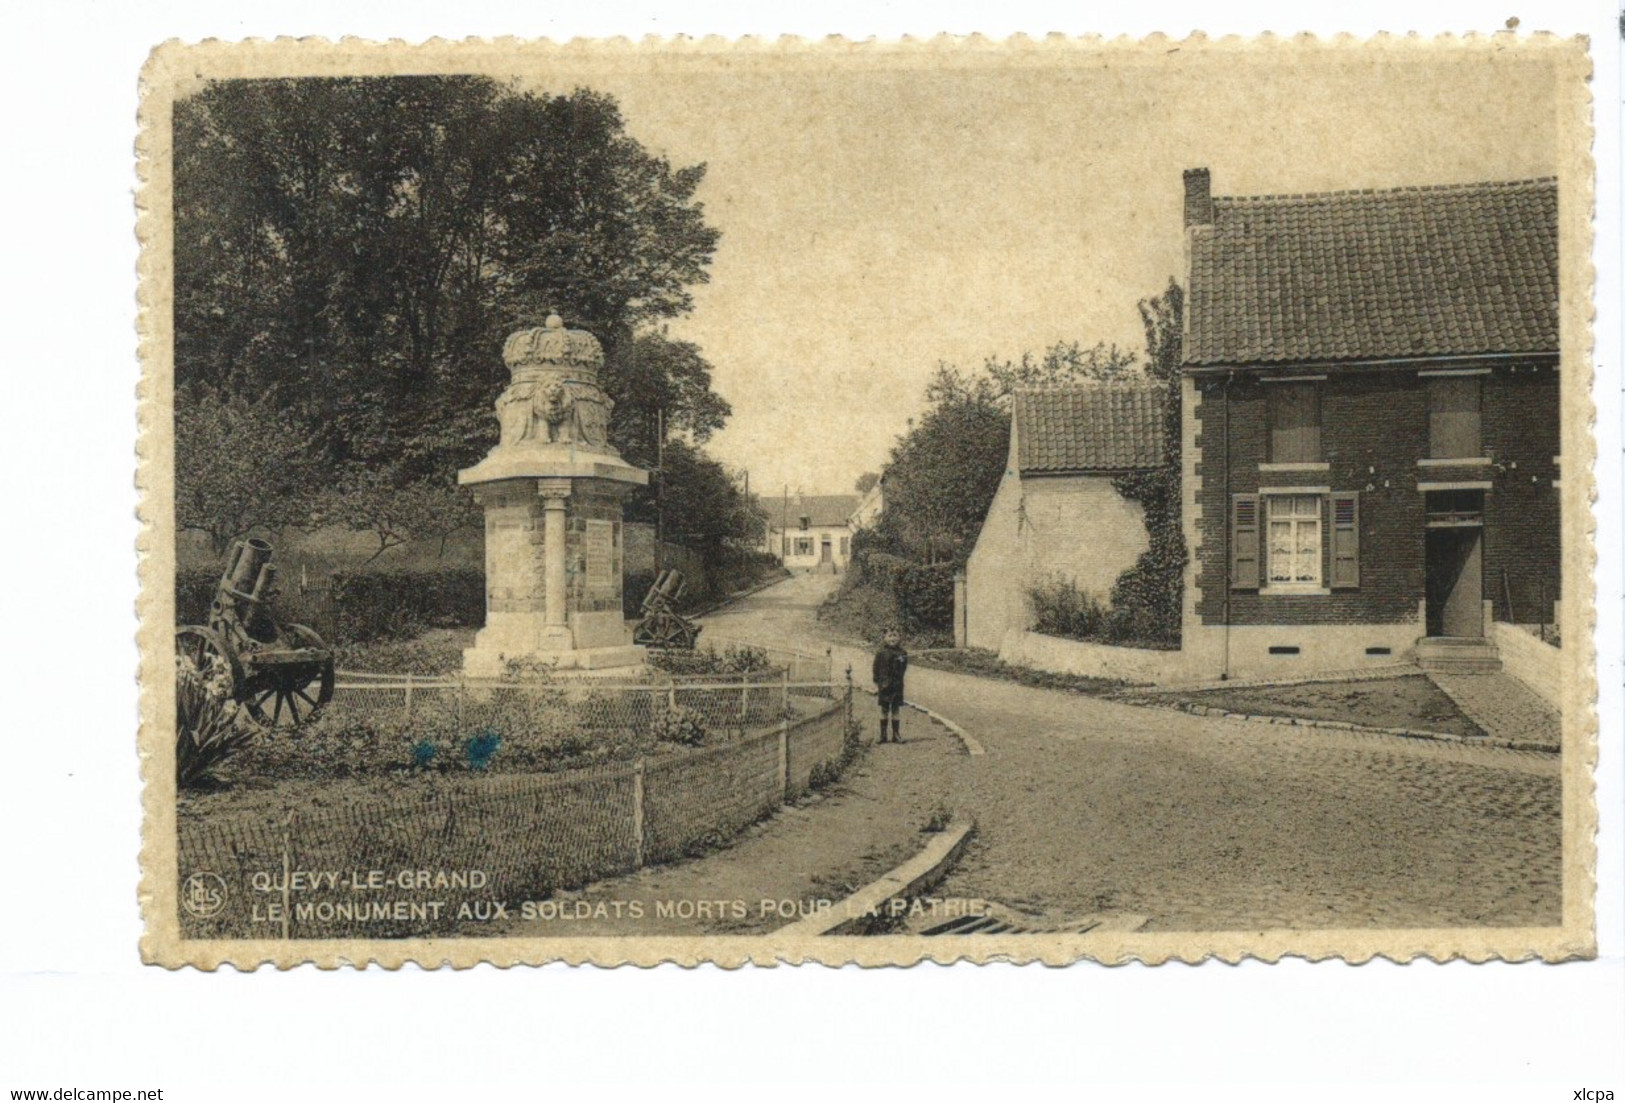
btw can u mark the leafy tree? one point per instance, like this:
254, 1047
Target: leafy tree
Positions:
1063, 362
239, 466
427, 509
659, 379
866, 482
703, 505
945, 470
352, 252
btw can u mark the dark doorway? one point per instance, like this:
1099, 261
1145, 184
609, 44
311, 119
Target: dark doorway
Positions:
1455, 581
824, 557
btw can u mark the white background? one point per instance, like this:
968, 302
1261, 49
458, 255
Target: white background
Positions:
79, 1011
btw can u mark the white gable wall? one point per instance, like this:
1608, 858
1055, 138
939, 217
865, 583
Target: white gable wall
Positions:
1073, 526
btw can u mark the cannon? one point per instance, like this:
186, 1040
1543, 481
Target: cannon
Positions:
660, 625
271, 666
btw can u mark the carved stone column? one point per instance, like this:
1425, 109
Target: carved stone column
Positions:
555, 495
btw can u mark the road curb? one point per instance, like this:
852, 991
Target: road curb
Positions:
911, 878
1486, 742
969, 741
966, 739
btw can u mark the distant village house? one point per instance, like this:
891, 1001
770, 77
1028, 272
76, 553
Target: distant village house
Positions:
812, 531
869, 507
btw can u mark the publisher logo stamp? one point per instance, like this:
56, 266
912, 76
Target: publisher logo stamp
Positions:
204, 895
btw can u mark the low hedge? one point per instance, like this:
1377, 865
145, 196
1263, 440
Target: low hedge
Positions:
358, 607
730, 572
1059, 608
400, 604
924, 592
361, 606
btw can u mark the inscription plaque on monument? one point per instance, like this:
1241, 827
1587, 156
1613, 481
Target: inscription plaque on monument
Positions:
599, 547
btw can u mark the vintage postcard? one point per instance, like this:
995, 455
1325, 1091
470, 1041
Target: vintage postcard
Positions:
701, 501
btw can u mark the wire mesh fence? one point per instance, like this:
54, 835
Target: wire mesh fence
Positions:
726, 707
448, 855
801, 666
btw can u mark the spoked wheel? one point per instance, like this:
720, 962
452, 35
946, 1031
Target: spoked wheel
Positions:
206, 653
292, 697
292, 694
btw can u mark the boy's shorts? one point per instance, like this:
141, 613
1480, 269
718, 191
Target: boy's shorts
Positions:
891, 699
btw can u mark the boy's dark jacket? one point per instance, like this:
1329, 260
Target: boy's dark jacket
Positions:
891, 664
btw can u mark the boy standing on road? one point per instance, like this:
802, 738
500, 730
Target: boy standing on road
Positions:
891, 664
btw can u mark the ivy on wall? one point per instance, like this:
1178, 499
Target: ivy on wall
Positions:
1151, 593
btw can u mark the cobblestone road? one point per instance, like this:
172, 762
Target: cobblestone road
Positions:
1086, 806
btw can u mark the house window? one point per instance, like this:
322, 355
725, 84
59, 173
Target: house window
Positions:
1293, 547
1294, 413
1454, 418
846, 545
804, 545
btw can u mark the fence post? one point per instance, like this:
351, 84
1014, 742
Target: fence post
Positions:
637, 814
462, 693
784, 759
409, 697
848, 709
671, 697
784, 699
287, 866
744, 700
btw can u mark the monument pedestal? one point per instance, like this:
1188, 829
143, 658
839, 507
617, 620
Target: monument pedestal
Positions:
552, 491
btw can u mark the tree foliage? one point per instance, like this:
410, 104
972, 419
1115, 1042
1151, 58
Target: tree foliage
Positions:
661, 380
701, 503
425, 509
351, 253
1148, 597
240, 465
945, 470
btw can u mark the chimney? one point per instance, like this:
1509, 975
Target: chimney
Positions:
1198, 198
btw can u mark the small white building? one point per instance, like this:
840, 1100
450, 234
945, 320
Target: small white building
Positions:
1057, 514
869, 506
811, 531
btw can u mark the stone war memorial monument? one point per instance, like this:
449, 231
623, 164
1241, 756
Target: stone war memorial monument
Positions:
552, 490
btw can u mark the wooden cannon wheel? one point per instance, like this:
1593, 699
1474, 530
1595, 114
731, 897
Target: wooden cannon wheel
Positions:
292, 693
201, 647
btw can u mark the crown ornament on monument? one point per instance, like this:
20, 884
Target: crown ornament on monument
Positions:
550, 347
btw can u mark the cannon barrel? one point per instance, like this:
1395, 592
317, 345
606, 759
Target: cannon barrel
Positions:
263, 584
668, 584
244, 569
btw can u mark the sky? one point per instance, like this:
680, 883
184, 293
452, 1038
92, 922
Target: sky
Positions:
894, 210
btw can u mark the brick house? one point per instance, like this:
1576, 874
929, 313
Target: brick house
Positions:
1371, 424
1057, 512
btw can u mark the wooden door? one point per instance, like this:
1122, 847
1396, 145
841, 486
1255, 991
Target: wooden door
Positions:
1455, 582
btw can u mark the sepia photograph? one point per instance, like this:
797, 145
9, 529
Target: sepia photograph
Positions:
937, 500
982, 551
